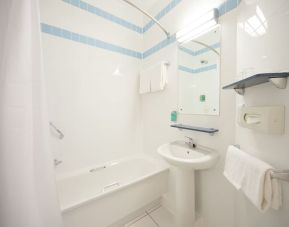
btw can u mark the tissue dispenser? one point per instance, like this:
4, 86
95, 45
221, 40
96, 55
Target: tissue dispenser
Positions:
264, 119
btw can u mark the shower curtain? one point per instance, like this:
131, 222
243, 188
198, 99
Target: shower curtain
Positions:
27, 189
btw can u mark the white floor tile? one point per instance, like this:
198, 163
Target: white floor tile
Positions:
132, 221
163, 217
143, 222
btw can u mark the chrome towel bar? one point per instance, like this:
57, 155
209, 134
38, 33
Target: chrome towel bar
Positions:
275, 173
280, 174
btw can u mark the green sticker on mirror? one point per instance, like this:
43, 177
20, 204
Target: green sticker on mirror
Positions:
202, 98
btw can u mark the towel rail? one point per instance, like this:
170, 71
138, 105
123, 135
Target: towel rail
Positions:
280, 175
275, 173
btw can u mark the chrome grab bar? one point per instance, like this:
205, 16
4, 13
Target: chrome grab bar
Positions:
97, 169
60, 135
111, 186
275, 173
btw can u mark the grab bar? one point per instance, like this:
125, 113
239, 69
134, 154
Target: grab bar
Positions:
113, 185
275, 173
96, 169
102, 167
60, 135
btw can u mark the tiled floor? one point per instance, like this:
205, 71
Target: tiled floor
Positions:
158, 217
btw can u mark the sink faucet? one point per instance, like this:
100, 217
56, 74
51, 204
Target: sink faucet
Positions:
191, 143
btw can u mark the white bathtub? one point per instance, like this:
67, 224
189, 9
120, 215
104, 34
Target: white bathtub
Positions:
101, 195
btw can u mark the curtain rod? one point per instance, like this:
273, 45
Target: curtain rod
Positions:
148, 15
205, 45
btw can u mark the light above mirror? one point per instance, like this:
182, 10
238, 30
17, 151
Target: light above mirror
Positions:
198, 27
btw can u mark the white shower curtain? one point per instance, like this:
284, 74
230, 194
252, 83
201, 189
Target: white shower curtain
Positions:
27, 189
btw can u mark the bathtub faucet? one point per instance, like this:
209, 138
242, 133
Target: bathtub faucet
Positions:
191, 142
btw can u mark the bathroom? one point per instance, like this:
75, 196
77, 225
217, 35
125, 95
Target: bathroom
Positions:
144, 113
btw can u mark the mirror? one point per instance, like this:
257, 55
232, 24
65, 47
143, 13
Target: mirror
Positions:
199, 74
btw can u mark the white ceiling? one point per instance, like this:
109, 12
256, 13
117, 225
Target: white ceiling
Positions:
144, 4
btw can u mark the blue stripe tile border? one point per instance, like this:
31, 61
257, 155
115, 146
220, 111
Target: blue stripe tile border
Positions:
228, 6
169, 7
200, 51
69, 35
187, 51
197, 70
186, 69
224, 8
104, 14
162, 44
56, 31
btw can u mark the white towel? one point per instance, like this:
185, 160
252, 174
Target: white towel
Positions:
154, 78
164, 72
253, 177
144, 82
235, 166
158, 77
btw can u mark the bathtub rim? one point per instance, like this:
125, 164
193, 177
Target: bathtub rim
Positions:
161, 168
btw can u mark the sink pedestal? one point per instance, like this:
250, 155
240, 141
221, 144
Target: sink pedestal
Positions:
186, 159
185, 197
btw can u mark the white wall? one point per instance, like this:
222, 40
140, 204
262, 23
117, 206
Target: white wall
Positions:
103, 117
217, 210
3, 25
259, 54
218, 202
97, 111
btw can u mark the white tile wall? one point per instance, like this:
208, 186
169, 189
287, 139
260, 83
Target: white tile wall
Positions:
264, 53
97, 111
62, 14
100, 113
156, 110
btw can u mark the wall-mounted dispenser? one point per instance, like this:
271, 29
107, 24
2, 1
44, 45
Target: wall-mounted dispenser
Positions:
265, 119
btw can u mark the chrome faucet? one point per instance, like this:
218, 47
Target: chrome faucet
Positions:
191, 142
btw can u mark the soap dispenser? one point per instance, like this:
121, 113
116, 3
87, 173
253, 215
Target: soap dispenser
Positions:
174, 116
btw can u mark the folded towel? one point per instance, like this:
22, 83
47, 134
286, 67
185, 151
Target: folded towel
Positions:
235, 166
272, 192
253, 177
158, 77
164, 73
144, 82
154, 78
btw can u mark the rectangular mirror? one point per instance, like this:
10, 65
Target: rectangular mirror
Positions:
199, 74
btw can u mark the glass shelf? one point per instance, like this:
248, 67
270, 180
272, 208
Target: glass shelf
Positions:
193, 128
278, 79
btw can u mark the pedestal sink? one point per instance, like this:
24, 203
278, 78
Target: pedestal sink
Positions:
187, 158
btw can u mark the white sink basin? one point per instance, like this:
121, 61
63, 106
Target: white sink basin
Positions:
187, 160
179, 154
